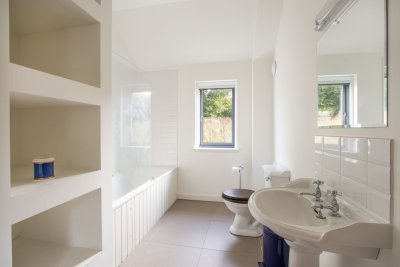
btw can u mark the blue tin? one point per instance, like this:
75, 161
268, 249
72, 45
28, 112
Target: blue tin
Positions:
43, 168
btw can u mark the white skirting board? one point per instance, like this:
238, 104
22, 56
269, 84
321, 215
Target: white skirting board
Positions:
134, 218
215, 198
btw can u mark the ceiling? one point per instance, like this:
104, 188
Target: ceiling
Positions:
161, 34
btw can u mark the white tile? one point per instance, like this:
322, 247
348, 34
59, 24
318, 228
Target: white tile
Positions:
332, 179
332, 162
379, 178
355, 191
355, 148
355, 169
379, 204
318, 141
379, 151
332, 144
319, 156
318, 171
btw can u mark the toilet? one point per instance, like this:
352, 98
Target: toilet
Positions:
236, 201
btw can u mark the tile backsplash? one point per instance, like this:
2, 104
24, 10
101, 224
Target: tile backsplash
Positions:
358, 167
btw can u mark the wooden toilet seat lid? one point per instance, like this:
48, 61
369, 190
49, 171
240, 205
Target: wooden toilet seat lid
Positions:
237, 195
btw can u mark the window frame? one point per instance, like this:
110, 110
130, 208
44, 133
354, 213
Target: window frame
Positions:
348, 97
214, 85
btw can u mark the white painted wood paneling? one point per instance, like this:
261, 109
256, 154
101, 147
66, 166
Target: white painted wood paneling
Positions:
134, 218
124, 232
117, 230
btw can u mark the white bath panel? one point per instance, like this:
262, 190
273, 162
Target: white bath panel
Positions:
135, 217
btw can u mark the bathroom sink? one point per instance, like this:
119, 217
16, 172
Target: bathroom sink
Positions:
285, 206
289, 215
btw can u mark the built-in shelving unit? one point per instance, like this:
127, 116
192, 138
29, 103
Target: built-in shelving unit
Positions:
67, 235
55, 88
57, 37
41, 126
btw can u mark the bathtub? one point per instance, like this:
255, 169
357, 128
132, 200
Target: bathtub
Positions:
140, 199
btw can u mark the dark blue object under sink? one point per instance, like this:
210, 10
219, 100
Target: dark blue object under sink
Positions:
275, 250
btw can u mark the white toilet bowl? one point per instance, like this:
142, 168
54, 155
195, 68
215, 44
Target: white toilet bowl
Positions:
243, 224
236, 200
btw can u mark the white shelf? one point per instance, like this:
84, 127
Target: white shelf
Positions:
34, 82
22, 178
29, 197
35, 253
92, 7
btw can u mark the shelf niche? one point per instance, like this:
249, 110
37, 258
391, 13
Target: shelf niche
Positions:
66, 235
56, 37
48, 127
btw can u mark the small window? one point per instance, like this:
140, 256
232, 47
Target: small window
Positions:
336, 101
216, 116
333, 104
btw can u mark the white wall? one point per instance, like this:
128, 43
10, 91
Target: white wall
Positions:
295, 99
45, 51
204, 174
164, 108
295, 127
31, 137
262, 119
164, 116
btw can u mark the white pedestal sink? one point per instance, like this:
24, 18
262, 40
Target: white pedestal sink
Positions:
355, 233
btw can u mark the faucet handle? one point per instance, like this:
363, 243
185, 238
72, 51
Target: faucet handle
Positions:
334, 193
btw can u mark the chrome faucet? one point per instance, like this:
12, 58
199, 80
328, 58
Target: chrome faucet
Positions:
334, 207
317, 195
318, 210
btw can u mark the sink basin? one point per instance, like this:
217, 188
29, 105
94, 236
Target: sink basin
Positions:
287, 207
289, 215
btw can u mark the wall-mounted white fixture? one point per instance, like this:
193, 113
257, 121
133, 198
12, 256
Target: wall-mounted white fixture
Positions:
332, 12
273, 68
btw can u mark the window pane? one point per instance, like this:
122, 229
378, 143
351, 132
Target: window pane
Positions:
217, 116
136, 118
330, 104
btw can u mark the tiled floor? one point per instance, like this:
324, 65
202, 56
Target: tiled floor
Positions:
195, 234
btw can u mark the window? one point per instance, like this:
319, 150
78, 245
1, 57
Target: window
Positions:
335, 101
136, 117
216, 114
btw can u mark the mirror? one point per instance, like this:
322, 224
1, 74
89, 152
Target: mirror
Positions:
352, 68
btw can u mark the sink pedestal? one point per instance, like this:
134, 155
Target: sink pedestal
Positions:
303, 256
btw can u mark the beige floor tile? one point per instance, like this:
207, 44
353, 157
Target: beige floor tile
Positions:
219, 238
222, 213
153, 254
191, 228
215, 258
193, 206
184, 233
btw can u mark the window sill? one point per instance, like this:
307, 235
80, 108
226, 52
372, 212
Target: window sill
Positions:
216, 148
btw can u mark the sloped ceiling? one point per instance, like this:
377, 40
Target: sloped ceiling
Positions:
160, 34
